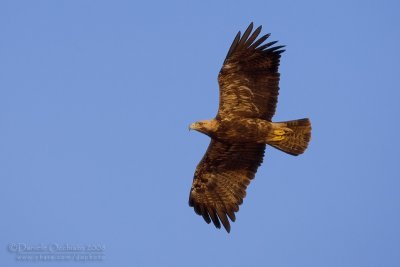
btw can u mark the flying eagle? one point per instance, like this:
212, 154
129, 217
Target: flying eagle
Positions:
249, 85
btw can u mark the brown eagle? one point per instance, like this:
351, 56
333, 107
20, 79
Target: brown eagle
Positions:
249, 85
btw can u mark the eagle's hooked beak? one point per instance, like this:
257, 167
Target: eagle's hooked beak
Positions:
191, 126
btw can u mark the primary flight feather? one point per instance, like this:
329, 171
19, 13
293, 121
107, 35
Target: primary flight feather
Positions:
249, 85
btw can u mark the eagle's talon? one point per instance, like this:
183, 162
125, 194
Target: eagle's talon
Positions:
277, 138
279, 132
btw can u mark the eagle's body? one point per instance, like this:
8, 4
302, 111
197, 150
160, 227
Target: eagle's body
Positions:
233, 130
248, 82
238, 130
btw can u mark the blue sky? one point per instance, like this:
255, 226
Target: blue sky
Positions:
95, 102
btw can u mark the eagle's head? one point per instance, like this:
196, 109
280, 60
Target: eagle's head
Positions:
206, 126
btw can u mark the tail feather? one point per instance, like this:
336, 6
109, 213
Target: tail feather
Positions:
295, 136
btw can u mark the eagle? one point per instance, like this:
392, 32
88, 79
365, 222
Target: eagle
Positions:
248, 86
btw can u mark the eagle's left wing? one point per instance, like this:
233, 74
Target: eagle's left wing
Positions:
249, 77
221, 178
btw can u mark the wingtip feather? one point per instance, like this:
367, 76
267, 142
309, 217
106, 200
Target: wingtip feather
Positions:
214, 217
246, 35
224, 220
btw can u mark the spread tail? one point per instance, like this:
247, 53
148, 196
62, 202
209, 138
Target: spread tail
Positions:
291, 137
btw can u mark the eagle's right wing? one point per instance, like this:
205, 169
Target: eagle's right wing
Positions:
221, 178
249, 77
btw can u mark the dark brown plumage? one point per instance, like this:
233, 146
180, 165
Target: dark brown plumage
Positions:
249, 85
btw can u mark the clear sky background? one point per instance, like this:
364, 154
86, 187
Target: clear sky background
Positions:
95, 102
